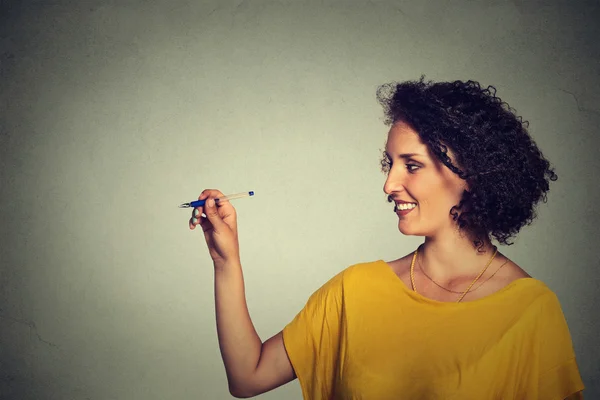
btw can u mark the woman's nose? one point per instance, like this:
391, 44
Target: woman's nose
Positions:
393, 183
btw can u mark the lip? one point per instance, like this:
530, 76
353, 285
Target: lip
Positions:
403, 212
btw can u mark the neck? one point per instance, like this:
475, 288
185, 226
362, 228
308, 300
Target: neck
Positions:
454, 256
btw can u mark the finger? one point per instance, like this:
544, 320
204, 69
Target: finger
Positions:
196, 218
212, 214
206, 193
205, 224
225, 208
197, 212
198, 215
214, 193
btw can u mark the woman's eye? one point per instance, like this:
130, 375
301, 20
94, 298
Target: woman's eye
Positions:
412, 167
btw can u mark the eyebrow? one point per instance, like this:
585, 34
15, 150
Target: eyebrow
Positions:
406, 155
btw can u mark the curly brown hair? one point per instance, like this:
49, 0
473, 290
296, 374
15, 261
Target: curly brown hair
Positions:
506, 172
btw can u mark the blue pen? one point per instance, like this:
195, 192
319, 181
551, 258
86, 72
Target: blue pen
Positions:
200, 203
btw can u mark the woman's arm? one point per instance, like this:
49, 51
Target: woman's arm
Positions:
251, 366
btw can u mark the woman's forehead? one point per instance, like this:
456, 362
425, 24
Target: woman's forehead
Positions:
404, 139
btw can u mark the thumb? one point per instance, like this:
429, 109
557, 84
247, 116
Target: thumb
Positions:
212, 214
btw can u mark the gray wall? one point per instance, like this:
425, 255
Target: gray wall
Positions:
112, 113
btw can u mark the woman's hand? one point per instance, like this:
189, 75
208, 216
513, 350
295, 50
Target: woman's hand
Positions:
219, 226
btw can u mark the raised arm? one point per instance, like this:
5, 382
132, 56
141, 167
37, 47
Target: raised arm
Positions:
252, 367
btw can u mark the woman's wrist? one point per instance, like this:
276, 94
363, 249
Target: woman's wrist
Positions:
226, 266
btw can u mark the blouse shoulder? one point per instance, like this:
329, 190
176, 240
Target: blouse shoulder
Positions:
359, 270
559, 374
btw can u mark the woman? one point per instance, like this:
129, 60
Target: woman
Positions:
453, 319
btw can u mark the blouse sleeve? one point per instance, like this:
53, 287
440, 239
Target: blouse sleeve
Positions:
559, 374
312, 340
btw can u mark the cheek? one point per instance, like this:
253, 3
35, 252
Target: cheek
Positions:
435, 194
457, 193
454, 188
420, 187
427, 189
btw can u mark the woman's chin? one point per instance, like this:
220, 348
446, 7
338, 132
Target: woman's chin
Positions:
407, 231
410, 229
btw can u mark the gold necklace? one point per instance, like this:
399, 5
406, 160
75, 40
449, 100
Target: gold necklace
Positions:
454, 291
412, 273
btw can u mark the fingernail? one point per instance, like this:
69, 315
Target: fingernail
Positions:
211, 202
195, 221
196, 212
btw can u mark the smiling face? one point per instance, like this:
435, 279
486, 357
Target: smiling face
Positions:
415, 175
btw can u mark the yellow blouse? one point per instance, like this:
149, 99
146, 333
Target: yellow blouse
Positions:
365, 335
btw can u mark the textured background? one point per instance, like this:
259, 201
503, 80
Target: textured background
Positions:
113, 113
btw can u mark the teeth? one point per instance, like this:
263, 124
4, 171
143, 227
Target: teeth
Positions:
406, 206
